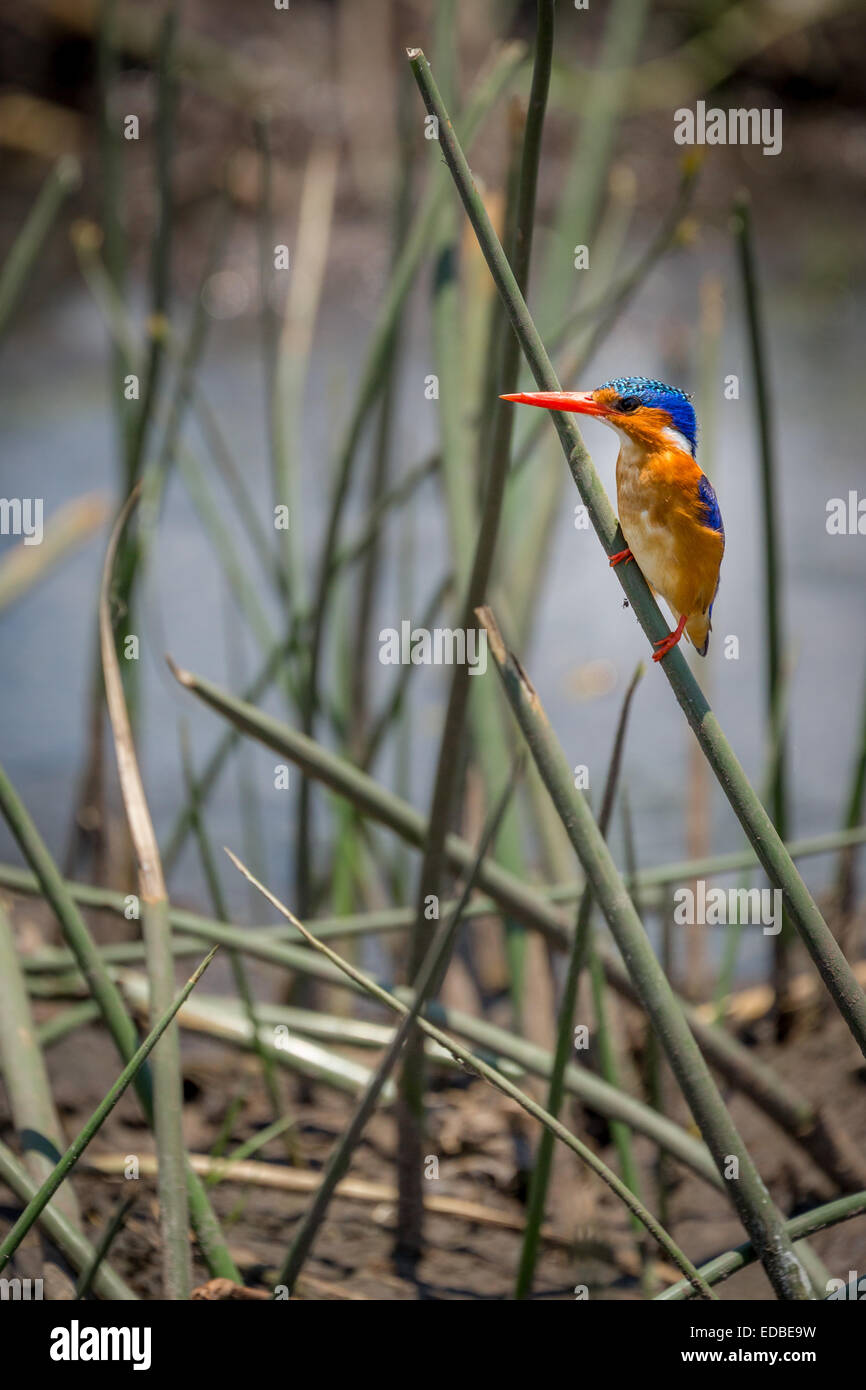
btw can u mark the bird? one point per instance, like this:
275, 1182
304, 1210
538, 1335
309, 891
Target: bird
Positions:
668, 511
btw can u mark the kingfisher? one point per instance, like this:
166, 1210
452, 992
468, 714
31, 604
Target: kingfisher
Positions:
668, 511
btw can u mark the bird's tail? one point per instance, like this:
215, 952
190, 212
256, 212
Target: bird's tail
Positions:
698, 629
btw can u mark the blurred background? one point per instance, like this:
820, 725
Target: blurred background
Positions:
331, 79
261, 128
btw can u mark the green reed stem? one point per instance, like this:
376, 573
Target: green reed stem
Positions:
112, 1008
769, 510
35, 1207
282, 651
747, 1191
486, 92
24, 252
31, 1104
101, 1251
65, 1235
299, 1055
220, 907
160, 263
473, 589
605, 312
581, 949
606, 88
395, 919
824, 950
853, 817
427, 982
807, 1224
816, 1131
512, 895
167, 1091
501, 1083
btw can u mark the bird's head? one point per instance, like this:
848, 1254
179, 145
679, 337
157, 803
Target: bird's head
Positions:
648, 412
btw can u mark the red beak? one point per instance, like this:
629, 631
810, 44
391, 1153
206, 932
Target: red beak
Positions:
580, 402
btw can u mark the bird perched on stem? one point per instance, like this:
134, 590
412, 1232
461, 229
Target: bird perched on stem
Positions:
668, 510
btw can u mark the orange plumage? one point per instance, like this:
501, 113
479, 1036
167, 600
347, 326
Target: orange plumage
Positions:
667, 509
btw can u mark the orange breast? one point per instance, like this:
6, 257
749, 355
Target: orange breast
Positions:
661, 518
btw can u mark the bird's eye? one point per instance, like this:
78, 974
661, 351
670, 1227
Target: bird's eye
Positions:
627, 404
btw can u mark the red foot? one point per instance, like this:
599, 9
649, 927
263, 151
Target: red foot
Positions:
620, 556
666, 644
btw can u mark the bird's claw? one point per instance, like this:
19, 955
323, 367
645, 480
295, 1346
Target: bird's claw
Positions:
620, 556
665, 645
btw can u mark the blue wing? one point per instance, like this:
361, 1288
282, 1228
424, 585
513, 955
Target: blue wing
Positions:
712, 516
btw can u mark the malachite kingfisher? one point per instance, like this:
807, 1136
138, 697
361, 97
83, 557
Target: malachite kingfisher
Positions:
668, 510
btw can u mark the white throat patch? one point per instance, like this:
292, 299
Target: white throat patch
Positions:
677, 439
632, 452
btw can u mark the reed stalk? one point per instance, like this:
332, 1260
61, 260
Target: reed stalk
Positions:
771, 530
649, 882
103, 1248
816, 1131
519, 899
500, 1083
824, 950
236, 960
168, 1088
509, 1053
24, 252
852, 818
34, 1114
746, 1189
527, 903
606, 89
160, 261
65, 1235
427, 982
112, 1008
299, 1055
818, 1134
486, 92
112, 204
279, 652
581, 950
603, 314
446, 783
808, 1223
41, 1199
490, 734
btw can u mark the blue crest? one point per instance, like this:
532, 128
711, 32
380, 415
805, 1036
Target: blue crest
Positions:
660, 397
